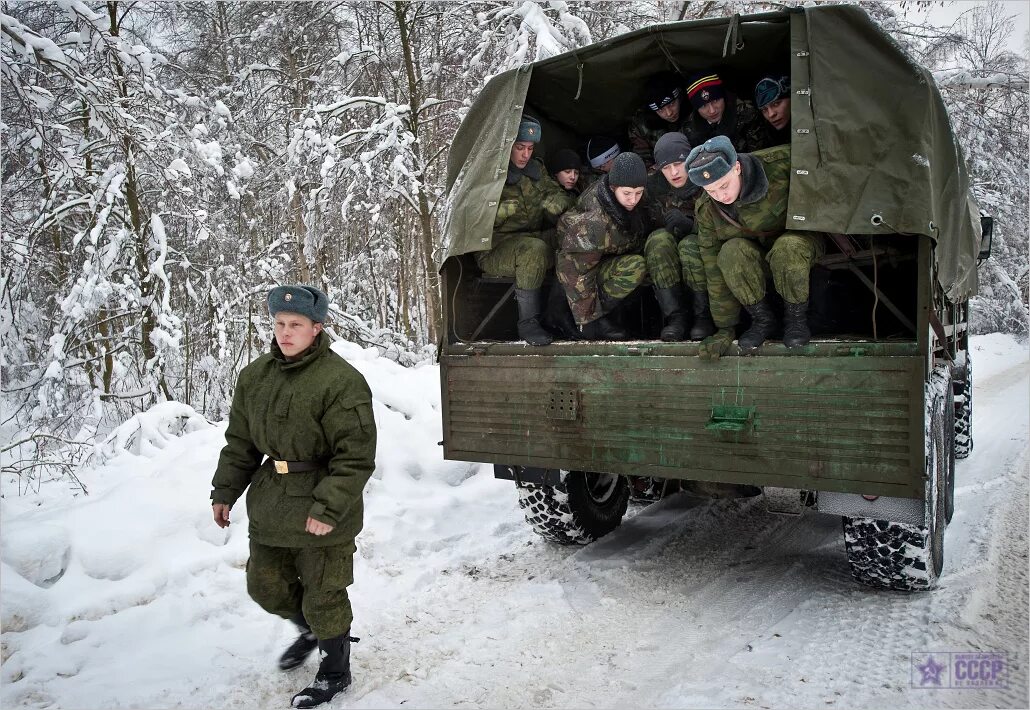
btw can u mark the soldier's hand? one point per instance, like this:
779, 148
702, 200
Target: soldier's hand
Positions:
221, 513
715, 346
317, 527
678, 223
506, 209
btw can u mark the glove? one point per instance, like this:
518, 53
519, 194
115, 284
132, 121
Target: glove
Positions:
678, 223
715, 346
505, 211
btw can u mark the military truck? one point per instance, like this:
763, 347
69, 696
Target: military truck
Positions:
865, 422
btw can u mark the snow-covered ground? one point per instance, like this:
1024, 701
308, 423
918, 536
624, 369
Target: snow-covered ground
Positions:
132, 597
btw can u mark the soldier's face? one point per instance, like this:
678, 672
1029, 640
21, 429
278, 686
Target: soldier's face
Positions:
521, 152
295, 333
713, 110
607, 166
777, 113
628, 197
675, 174
671, 111
727, 189
567, 178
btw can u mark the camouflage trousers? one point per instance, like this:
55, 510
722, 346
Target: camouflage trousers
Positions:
747, 265
693, 267
526, 258
619, 276
287, 580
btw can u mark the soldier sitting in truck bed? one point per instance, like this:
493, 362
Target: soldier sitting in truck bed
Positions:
741, 222
663, 112
673, 196
718, 112
772, 98
609, 247
523, 238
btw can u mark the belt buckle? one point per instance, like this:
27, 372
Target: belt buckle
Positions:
282, 467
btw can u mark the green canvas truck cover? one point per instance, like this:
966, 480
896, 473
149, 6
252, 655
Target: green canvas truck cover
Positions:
872, 147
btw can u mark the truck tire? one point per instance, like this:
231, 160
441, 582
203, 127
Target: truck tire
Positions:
902, 556
964, 410
582, 508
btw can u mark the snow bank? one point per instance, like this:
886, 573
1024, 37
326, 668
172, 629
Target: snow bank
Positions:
995, 353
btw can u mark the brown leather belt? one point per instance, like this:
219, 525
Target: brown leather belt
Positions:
295, 466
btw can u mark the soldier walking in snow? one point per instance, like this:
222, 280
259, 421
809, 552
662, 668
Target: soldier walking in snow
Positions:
302, 439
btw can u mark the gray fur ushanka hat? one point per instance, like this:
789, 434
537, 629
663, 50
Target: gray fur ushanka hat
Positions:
304, 300
711, 161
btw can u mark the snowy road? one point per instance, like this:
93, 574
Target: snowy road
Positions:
458, 603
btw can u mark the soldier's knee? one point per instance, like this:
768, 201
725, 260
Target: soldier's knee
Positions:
635, 266
689, 249
660, 239
536, 252
735, 252
268, 589
792, 249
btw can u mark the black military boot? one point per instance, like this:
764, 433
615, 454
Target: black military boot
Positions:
604, 328
333, 675
300, 649
670, 300
795, 324
531, 303
763, 324
703, 324
558, 318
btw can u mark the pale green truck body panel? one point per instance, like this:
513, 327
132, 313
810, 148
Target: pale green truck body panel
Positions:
848, 424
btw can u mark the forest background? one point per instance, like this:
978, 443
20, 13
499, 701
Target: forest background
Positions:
164, 164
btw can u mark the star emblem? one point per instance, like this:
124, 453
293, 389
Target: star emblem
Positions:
706, 174
931, 671
288, 297
532, 131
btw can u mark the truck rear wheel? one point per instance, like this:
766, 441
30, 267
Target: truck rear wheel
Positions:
902, 556
582, 508
964, 411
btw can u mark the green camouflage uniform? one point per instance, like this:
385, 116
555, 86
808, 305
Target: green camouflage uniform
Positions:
646, 127
665, 197
598, 256
741, 122
316, 409
523, 238
735, 262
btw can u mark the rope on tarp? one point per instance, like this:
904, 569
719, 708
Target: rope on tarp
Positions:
579, 69
732, 43
665, 50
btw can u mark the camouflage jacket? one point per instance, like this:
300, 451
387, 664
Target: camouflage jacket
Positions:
761, 211
317, 409
741, 123
597, 228
531, 201
646, 127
